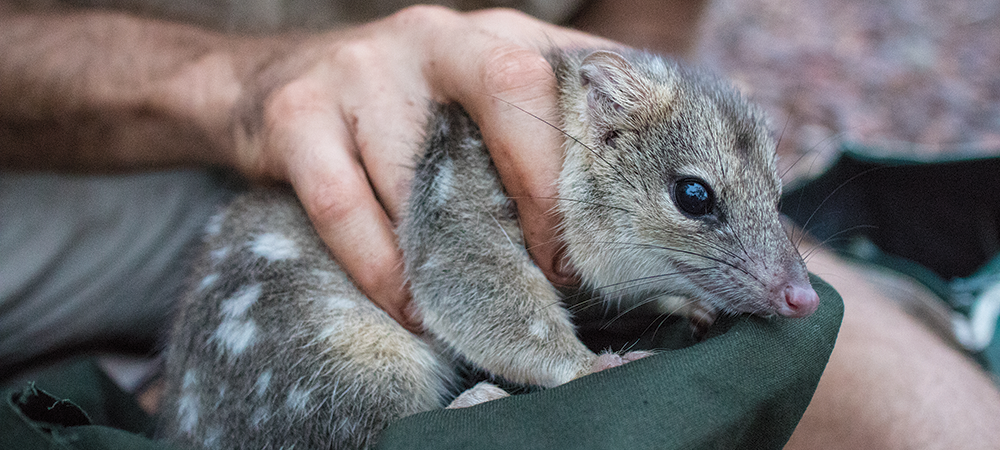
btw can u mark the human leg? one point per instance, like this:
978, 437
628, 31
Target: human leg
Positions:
94, 260
891, 383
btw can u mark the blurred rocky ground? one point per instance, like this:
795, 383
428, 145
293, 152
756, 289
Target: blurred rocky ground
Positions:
918, 79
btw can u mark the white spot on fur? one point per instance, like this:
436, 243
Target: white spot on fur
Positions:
235, 336
219, 254
298, 399
213, 437
187, 405
187, 413
236, 333
540, 329
336, 302
190, 379
214, 225
324, 276
337, 306
259, 417
330, 331
263, 382
208, 281
274, 247
444, 183
433, 262
499, 199
236, 307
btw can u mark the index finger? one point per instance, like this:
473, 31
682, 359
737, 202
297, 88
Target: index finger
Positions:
509, 89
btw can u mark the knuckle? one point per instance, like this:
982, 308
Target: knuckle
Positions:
356, 54
422, 15
501, 15
262, 122
509, 68
334, 202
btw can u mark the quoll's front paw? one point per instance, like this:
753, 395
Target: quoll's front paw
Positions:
700, 315
480, 393
701, 319
609, 360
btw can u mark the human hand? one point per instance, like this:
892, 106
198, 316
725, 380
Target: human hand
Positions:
340, 116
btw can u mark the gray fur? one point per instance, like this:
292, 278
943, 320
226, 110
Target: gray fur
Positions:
274, 347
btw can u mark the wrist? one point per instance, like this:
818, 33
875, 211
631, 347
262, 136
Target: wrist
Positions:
203, 92
224, 94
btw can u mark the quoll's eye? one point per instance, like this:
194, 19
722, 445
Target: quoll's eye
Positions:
693, 196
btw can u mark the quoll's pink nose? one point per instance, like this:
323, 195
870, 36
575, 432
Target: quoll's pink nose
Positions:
799, 301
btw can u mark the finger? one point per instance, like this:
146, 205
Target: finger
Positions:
510, 92
385, 115
334, 190
520, 127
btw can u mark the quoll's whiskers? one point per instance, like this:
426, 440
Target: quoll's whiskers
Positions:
661, 318
623, 313
743, 247
574, 139
623, 287
619, 290
725, 251
592, 203
813, 150
831, 194
686, 252
818, 246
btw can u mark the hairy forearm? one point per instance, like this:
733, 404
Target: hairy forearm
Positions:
95, 90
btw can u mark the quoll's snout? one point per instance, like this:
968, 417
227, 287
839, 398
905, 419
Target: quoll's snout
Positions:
797, 300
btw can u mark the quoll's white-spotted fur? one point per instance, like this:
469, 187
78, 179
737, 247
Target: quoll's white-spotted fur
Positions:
237, 331
274, 247
669, 194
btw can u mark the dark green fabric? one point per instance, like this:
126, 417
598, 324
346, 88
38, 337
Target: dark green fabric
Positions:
744, 388
73, 406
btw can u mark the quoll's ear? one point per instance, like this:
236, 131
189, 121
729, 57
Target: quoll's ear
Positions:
615, 88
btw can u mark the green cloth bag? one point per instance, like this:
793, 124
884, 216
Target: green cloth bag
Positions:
744, 387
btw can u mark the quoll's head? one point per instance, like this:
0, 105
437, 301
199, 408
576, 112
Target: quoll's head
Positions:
671, 187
